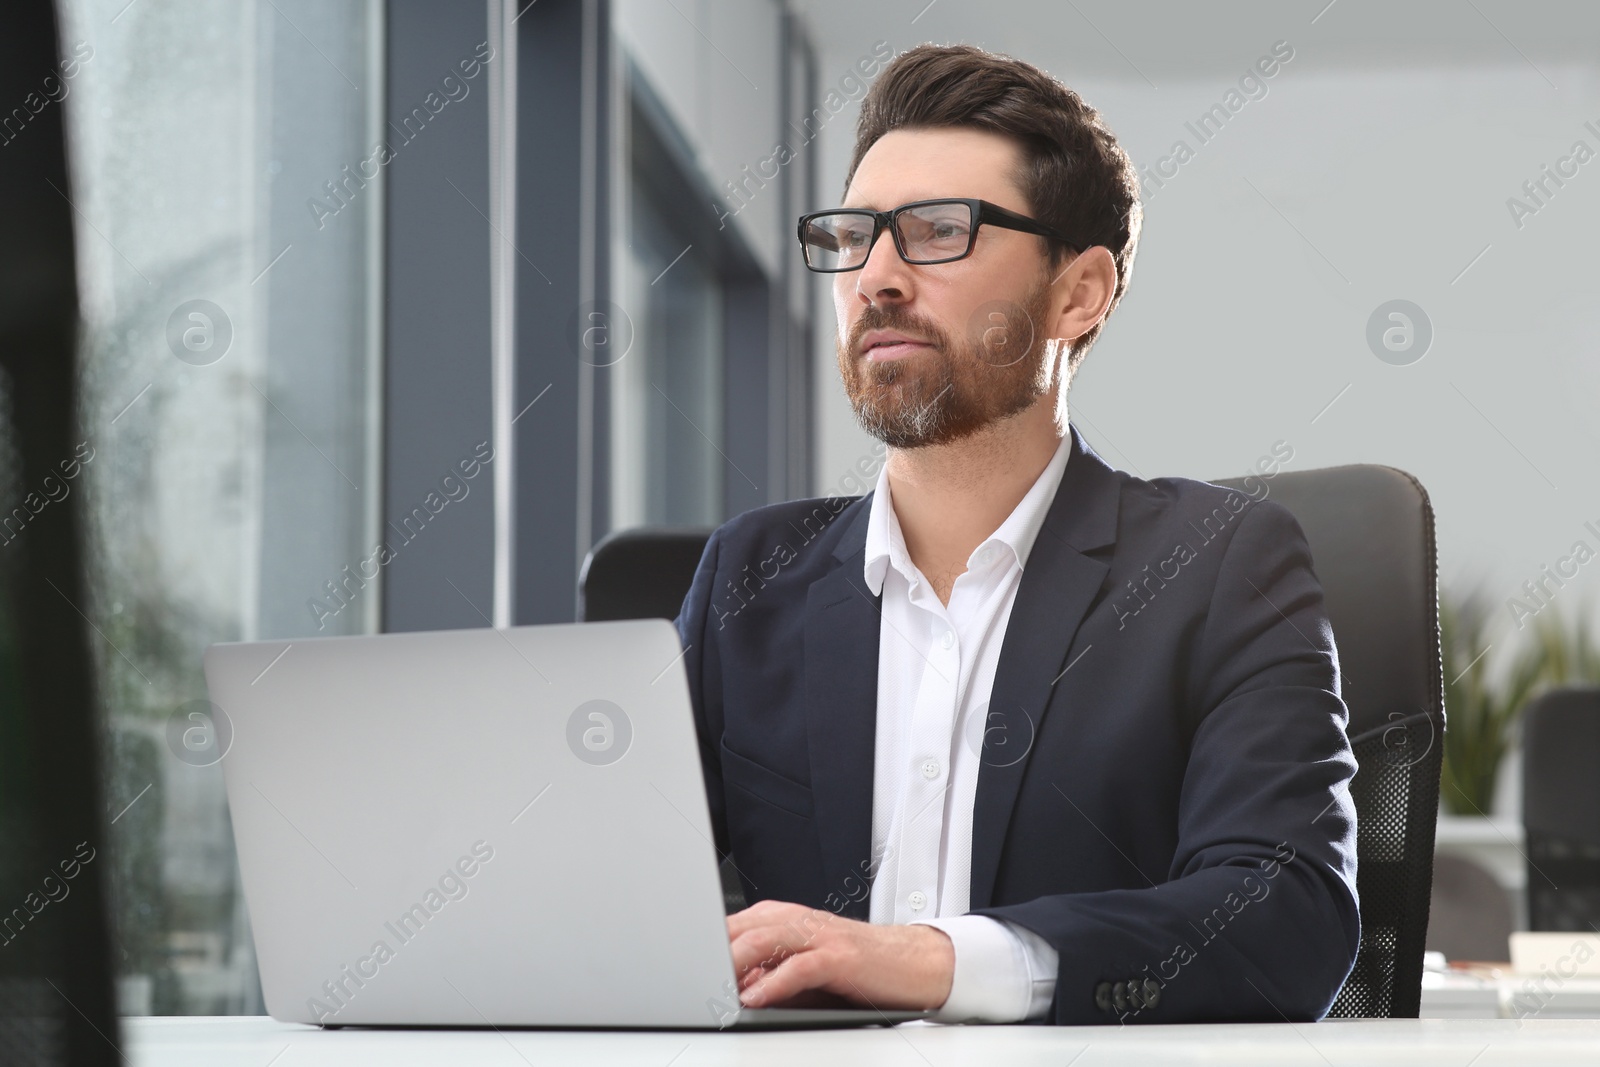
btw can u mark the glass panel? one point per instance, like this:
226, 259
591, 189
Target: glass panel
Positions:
667, 393
227, 240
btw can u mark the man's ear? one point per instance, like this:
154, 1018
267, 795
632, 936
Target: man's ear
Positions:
1086, 284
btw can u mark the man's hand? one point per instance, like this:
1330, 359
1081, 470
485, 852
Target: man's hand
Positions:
789, 955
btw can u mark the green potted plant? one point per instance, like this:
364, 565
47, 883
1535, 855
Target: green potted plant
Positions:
1483, 706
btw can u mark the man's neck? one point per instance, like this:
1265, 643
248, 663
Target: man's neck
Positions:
950, 498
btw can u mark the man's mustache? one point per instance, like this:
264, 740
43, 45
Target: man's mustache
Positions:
872, 320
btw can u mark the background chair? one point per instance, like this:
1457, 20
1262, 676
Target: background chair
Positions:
1561, 809
1471, 916
641, 573
645, 573
1371, 534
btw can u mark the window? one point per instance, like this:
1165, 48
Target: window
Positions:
667, 392
690, 434
227, 248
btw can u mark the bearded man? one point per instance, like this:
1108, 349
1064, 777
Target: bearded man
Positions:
1016, 736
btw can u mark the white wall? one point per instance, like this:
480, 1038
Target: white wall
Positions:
1377, 167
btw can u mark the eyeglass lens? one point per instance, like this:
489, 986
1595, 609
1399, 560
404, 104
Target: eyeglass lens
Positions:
928, 233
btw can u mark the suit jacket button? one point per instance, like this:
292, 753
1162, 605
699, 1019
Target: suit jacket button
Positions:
1152, 992
1119, 997
1102, 996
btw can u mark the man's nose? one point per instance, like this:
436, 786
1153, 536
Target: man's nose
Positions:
884, 275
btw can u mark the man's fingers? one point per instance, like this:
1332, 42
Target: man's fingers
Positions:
764, 946
751, 976
794, 976
770, 912
775, 957
786, 929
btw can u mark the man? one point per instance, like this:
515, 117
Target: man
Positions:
1016, 736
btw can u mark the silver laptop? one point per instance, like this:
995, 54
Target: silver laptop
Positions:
480, 828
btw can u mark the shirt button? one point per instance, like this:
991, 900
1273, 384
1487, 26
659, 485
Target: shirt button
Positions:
985, 554
930, 769
918, 900
948, 639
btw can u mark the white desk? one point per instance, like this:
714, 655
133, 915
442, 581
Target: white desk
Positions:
1510, 996
253, 1041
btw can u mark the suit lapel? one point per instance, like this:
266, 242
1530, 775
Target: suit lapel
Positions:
1059, 585
841, 672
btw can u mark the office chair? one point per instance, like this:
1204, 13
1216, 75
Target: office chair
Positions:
1561, 809
641, 573
645, 573
1470, 916
1370, 530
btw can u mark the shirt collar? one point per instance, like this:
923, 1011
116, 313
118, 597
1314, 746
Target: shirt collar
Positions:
886, 547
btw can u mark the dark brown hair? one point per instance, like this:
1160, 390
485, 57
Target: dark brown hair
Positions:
1074, 175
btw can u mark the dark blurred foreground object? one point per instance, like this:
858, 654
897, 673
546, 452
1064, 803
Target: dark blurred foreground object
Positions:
1371, 534
56, 1003
1561, 808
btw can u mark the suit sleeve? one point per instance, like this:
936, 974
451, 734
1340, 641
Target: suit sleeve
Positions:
695, 624
1258, 917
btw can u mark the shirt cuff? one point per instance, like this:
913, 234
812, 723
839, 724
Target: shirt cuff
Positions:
1004, 973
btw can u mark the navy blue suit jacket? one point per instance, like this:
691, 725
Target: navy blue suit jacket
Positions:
1163, 785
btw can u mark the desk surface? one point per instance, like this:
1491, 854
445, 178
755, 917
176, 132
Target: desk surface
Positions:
256, 1041
1509, 996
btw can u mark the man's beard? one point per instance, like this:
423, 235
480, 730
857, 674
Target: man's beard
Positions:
949, 390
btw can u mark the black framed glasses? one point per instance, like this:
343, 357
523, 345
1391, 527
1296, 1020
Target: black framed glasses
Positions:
925, 232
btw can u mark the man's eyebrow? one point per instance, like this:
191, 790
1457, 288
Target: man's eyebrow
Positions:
870, 206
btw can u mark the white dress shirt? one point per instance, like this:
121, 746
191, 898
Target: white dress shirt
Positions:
936, 667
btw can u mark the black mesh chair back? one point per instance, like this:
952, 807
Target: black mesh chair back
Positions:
1561, 809
1370, 529
641, 573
